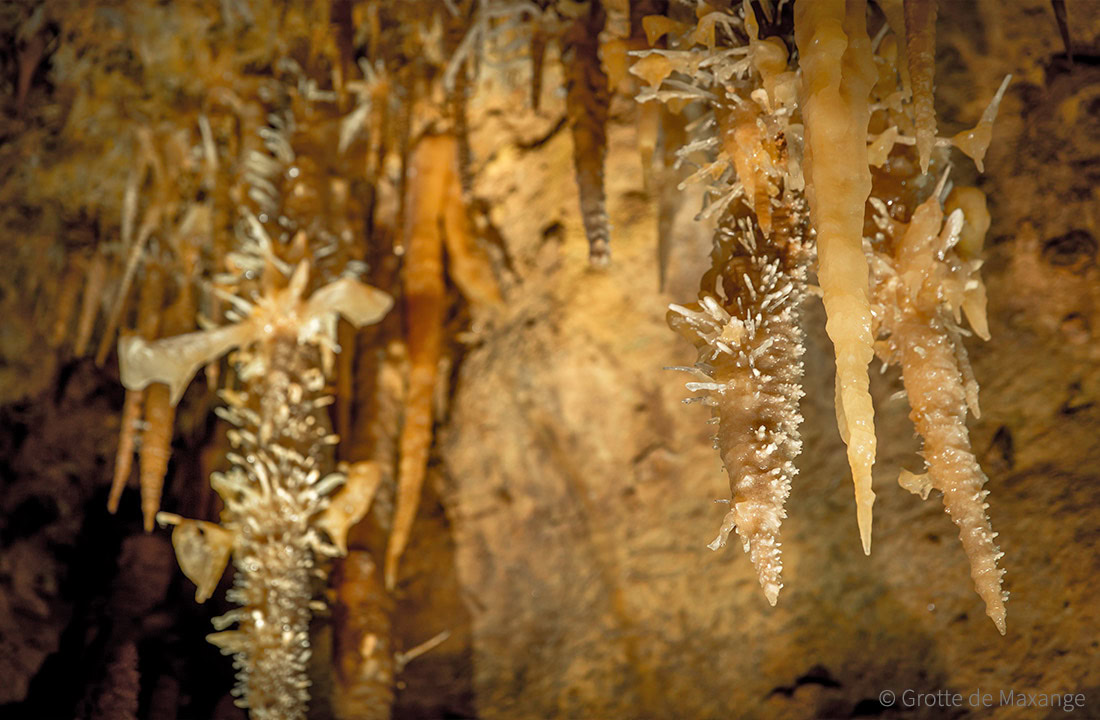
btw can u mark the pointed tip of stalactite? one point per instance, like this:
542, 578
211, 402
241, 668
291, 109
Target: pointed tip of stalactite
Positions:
1059, 7
391, 571
150, 502
865, 502
863, 519
394, 549
599, 256
995, 609
771, 592
118, 484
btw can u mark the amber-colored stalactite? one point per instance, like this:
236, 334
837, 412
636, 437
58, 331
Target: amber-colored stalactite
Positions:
160, 412
431, 169
148, 323
65, 302
837, 75
94, 282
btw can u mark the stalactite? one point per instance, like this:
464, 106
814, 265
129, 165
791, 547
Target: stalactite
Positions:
148, 323
920, 47
156, 449
94, 282
65, 304
837, 75
745, 324
124, 456
424, 297
587, 103
159, 408
461, 128
272, 501
750, 347
437, 220
919, 288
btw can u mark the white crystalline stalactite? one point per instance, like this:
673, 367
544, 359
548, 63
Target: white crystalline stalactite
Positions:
277, 494
745, 324
921, 287
272, 493
746, 328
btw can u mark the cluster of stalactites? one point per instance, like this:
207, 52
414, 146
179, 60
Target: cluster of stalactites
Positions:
247, 119
922, 277
766, 130
745, 148
846, 91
